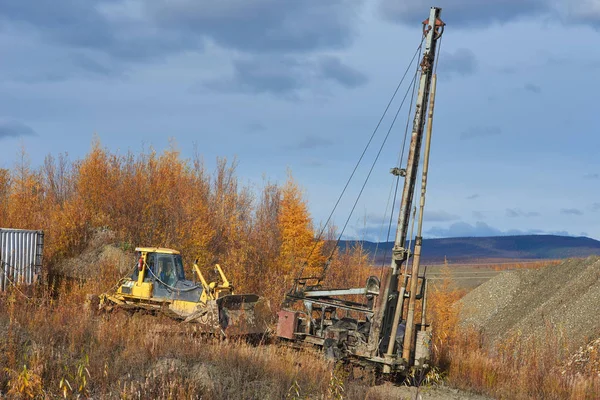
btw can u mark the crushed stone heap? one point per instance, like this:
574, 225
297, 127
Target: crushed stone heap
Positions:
563, 298
100, 249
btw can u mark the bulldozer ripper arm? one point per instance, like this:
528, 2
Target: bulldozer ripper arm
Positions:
205, 286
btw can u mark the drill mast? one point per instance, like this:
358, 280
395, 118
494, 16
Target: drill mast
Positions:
376, 331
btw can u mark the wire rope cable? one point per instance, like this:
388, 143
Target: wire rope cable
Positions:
372, 167
418, 51
400, 160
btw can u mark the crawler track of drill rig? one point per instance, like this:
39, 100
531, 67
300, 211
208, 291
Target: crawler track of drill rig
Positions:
379, 329
158, 285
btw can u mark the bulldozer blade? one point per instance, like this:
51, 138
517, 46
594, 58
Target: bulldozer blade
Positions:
243, 315
208, 319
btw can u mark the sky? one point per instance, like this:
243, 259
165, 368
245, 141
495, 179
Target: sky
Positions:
300, 85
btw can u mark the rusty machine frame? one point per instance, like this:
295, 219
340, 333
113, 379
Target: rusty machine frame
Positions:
375, 325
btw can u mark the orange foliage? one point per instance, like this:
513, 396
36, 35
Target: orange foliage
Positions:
24, 199
443, 315
298, 244
152, 199
4, 192
350, 268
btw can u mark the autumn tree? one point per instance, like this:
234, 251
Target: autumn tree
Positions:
300, 250
349, 268
94, 185
4, 193
266, 245
443, 313
26, 195
57, 175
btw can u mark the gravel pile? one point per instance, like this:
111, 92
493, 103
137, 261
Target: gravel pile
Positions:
559, 299
100, 250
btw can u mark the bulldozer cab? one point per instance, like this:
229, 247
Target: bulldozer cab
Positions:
164, 266
167, 268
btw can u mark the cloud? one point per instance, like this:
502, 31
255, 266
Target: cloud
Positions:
107, 38
375, 233
478, 215
571, 211
261, 25
480, 131
583, 12
462, 62
480, 14
12, 129
463, 13
141, 30
515, 213
94, 65
473, 196
314, 163
530, 87
275, 75
124, 30
255, 126
332, 68
481, 229
440, 216
71, 22
559, 233
284, 75
596, 207
508, 70
311, 142
591, 176
463, 229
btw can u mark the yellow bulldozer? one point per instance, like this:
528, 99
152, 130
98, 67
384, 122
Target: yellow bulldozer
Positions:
158, 283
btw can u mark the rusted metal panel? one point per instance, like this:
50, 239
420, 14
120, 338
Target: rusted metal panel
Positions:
286, 325
20, 256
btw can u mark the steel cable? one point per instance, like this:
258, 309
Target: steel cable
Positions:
358, 162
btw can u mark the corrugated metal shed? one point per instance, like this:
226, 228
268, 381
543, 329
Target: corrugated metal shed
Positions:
20, 256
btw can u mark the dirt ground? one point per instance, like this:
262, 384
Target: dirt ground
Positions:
389, 392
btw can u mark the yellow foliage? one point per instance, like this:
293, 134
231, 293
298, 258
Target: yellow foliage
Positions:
350, 268
25, 384
299, 247
443, 314
4, 192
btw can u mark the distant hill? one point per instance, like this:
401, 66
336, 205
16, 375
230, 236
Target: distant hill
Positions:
534, 247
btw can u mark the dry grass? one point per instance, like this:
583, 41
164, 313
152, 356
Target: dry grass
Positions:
51, 347
523, 265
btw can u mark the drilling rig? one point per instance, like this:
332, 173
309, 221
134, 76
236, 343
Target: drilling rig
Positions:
376, 325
